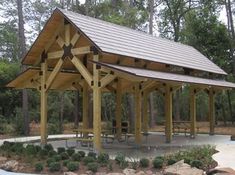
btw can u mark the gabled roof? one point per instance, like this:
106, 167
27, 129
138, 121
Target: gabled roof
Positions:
168, 77
119, 40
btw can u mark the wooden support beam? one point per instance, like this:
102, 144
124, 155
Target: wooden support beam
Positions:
119, 108
53, 74
43, 105
75, 38
81, 50
212, 111
145, 112
193, 112
149, 84
85, 101
107, 79
55, 55
67, 34
60, 41
82, 69
138, 102
168, 113
96, 106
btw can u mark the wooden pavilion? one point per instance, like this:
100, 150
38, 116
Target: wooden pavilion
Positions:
80, 53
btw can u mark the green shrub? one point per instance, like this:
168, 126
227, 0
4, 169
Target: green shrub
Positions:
196, 163
88, 159
54, 166
43, 153
76, 157
49, 161
120, 158
64, 156
158, 162
82, 153
123, 164
38, 148
144, 163
65, 162
110, 166
93, 166
103, 158
187, 160
30, 150
92, 154
48, 147
134, 165
38, 167
17, 148
70, 151
60, 150
72, 166
52, 153
171, 161
57, 158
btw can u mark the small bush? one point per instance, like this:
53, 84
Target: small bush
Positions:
65, 162
17, 148
134, 165
76, 157
171, 161
88, 159
54, 166
144, 163
38, 148
60, 150
120, 158
64, 156
43, 153
110, 166
72, 166
93, 166
82, 153
92, 154
52, 153
48, 147
57, 158
49, 161
123, 164
103, 158
38, 167
158, 162
70, 151
196, 163
30, 150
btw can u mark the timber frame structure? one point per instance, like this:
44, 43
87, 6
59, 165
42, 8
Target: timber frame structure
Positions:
79, 53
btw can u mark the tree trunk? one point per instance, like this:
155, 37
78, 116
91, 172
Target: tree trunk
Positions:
131, 112
152, 111
61, 112
76, 109
22, 52
177, 106
230, 107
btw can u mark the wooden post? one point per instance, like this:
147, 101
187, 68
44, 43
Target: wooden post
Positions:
145, 112
96, 106
85, 106
193, 112
168, 113
138, 114
119, 108
43, 105
212, 111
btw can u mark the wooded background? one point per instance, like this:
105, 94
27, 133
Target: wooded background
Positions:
193, 22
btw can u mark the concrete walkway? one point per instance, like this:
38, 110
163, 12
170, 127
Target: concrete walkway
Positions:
2, 172
155, 145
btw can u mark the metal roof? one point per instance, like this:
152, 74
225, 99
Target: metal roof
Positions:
170, 77
124, 41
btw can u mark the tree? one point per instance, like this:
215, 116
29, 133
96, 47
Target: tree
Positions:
22, 52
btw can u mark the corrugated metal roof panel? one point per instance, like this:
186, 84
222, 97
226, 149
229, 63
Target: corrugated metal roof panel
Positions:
164, 76
121, 40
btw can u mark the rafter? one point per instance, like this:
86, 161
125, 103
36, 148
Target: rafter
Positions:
82, 69
67, 34
60, 41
